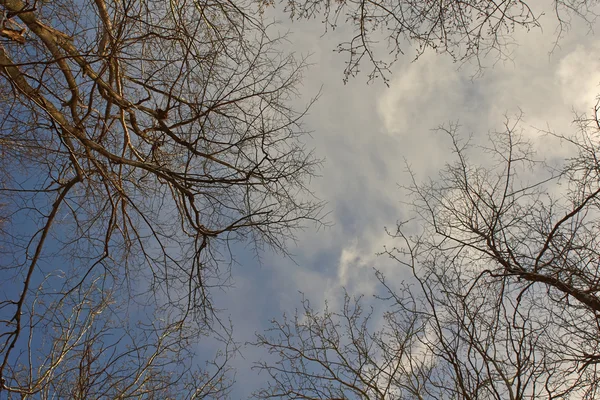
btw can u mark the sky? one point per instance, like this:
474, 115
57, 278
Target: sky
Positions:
368, 134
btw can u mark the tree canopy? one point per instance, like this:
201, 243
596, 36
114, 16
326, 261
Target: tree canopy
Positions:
141, 139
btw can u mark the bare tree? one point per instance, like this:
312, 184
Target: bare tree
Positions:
381, 31
502, 298
437, 346
84, 347
139, 139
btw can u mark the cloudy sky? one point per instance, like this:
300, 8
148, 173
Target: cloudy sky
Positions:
368, 133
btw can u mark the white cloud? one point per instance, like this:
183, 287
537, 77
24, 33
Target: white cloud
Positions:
578, 74
366, 132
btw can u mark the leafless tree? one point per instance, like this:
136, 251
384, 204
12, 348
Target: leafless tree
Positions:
139, 139
466, 30
84, 347
502, 298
